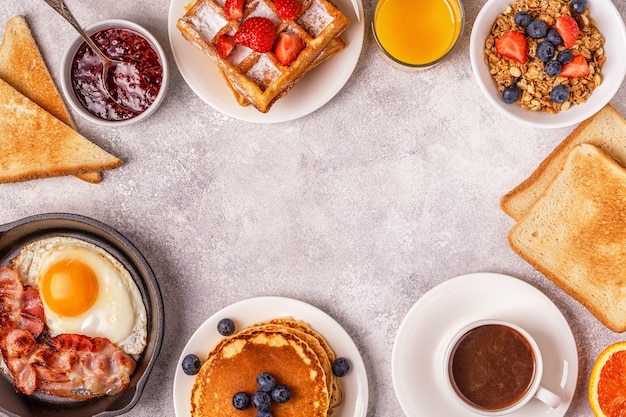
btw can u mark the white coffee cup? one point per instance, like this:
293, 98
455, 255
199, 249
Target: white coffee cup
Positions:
471, 368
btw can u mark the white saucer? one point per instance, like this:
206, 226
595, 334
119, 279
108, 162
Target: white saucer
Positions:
313, 91
247, 312
417, 359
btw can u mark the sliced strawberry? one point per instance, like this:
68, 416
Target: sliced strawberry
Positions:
225, 45
513, 45
568, 29
257, 33
288, 9
234, 9
576, 68
288, 47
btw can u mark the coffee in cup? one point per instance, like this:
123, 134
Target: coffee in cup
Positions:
495, 367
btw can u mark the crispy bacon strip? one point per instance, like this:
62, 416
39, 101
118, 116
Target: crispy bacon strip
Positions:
68, 365
20, 307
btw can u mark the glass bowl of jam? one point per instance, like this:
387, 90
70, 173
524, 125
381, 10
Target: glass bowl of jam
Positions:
136, 86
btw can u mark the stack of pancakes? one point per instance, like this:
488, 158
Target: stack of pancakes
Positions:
290, 350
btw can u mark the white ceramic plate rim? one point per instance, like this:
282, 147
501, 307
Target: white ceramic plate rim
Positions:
610, 24
310, 93
254, 310
417, 357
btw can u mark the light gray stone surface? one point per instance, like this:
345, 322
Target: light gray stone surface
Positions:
359, 208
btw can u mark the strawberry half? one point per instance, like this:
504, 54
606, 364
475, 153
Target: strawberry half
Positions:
225, 45
257, 33
513, 45
288, 47
568, 29
576, 68
288, 9
234, 9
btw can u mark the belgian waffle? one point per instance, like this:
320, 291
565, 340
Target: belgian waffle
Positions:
258, 78
335, 45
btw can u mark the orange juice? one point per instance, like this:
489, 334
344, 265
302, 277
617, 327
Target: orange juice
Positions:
417, 32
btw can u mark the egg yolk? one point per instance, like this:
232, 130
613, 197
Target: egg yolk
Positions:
69, 287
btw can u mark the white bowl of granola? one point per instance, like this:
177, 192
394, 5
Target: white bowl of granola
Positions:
524, 69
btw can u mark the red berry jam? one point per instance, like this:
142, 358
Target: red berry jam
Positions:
134, 83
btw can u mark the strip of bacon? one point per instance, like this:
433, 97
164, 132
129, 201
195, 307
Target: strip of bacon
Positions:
68, 365
20, 307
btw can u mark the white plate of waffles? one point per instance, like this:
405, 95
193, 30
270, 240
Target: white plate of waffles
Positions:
255, 310
417, 359
315, 89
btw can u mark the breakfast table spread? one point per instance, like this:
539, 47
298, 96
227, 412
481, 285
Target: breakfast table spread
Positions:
366, 202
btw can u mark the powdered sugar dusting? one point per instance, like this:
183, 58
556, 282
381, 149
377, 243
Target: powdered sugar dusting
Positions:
263, 72
315, 19
208, 22
263, 10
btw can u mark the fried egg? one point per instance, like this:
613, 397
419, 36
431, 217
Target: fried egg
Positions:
84, 290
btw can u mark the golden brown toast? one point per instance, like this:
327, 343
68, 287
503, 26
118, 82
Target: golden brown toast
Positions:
258, 77
36, 144
233, 365
606, 130
575, 234
23, 66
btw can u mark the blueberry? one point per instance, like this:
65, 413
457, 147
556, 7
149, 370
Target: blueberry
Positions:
261, 400
565, 56
559, 94
511, 94
578, 6
522, 19
226, 327
537, 29
241, 401
265, 382
191, 364
553, 68
553, 37
281, 394
263, 414
341, 367
545, 51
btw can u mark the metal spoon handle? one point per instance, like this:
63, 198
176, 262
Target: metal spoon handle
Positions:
61, 8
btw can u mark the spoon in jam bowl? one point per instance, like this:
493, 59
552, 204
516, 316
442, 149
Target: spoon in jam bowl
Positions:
109, 65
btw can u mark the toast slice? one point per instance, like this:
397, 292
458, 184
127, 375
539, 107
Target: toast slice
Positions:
36, 144
23, 66
606, 130
575, 234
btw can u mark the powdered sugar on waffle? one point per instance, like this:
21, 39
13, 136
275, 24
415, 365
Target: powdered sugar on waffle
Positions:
315, 19
208, 21
263, 10
263, 72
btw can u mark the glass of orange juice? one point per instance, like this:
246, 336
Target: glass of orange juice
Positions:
417, 33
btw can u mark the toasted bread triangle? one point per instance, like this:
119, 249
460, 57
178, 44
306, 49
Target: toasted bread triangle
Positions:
23, 66
36, 144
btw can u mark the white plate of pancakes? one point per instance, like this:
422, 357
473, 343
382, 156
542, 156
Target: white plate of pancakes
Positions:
418, 354
314, 90
245, 313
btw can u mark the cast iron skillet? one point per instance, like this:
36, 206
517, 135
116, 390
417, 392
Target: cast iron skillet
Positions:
16, 234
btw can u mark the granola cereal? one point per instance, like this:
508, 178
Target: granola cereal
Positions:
531, 78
